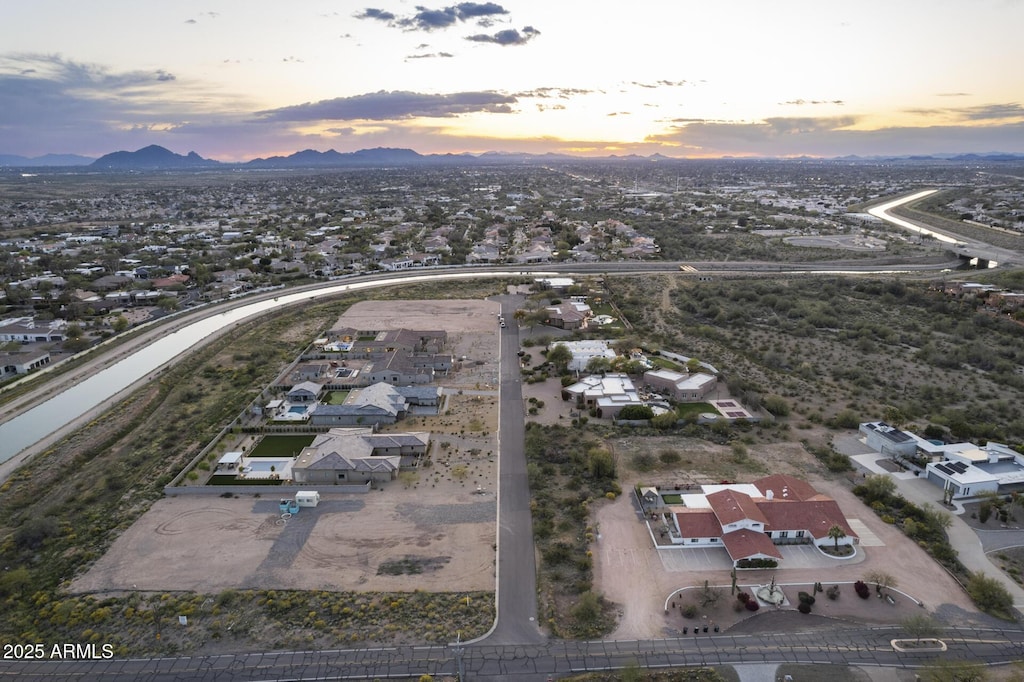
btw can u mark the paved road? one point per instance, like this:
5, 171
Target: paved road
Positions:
962, 537
811, 639
517, 577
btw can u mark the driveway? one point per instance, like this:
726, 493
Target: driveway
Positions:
717, 559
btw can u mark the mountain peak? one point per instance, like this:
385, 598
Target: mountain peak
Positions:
152, 157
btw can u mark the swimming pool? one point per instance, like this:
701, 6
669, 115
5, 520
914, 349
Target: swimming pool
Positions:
264, 463
298, 409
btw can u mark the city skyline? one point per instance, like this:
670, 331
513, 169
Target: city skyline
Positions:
235, 80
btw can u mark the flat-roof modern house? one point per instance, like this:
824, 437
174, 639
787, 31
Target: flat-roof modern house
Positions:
889, 440
584, 351
29, 330
961, 469
680, 386
607, 394
967, 472
751, 520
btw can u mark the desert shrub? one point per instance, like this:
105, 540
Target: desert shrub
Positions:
804, 607
862, 589
805, 598
832, 592
643, 461
777, 405
743, 597
669, 457
752, 605
689, 611
757, 563
989, 594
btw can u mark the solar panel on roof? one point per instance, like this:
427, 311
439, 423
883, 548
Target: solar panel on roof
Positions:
959, 467
945, 469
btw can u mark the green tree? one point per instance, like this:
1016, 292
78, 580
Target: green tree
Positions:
601, 464
894, 416
120, 323
665, 420
879, 486
836, 533
560, 356
881, 579
919, 626
630, 412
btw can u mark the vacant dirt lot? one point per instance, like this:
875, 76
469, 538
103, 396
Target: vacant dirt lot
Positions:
434, 529
443, 535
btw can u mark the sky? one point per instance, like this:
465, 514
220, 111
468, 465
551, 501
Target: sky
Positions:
238, 79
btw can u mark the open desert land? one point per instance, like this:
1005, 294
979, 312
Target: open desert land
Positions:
432, 529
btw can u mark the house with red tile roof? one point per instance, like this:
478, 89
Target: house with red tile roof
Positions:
750, 520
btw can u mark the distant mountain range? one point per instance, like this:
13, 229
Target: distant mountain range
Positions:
49, 160
155, 157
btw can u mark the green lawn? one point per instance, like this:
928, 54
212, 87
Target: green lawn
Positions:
280, 446
693, 410
672, 498
337, 397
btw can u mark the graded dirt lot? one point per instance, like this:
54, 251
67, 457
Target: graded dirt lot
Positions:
433, 529
350, 542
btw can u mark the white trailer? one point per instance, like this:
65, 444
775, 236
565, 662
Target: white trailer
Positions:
307, 498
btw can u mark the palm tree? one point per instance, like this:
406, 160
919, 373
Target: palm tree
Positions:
836, 533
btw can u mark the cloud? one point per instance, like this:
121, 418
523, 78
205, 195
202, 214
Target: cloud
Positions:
507, 37
67, 105
374, 13
431, 55
431, 19
984, 112
397, 105
426, 19
479, 9
802, 102
953, 94
560, 93
660, 84
993, 112
832, 136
